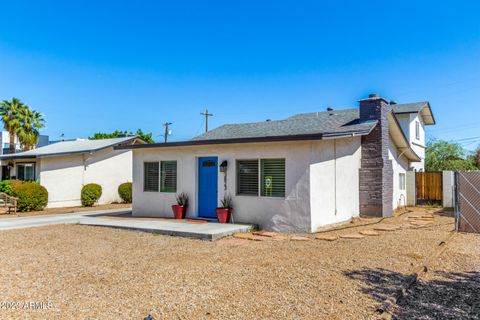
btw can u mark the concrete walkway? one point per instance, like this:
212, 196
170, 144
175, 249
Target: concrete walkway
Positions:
205, 231
59, 218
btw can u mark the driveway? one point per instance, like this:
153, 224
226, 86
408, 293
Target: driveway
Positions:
44, 220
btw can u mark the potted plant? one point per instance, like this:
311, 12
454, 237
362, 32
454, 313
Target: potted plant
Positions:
180, 209
225, 211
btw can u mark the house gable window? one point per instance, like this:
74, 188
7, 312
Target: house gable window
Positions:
268, 175
417, 130
26, 171
401, 181
168, 176
151, 176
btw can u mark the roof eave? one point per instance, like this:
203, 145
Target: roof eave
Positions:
305, 137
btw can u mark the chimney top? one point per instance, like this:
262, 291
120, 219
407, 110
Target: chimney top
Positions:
373, 96
329, 109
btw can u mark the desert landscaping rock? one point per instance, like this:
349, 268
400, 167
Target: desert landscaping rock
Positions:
298, 238
326, 237
352, 236
369, 233
386, 228
244, 235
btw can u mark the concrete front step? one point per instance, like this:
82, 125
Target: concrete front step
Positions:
203, 231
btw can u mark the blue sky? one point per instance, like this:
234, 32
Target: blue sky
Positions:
107, 65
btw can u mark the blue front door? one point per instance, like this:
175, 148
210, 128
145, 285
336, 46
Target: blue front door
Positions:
207, 186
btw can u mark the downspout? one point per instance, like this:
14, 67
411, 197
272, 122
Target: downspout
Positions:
335, 172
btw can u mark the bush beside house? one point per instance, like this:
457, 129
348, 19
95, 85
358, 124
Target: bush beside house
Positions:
125, 192
31, 196
90, 194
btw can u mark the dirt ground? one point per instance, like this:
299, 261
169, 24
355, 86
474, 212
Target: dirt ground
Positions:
83, 272
66, 210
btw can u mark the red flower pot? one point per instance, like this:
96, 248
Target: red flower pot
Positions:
179, 211
223, 214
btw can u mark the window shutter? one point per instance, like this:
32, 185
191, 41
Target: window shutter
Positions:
273, 177
247, 177
150, 176
168, 176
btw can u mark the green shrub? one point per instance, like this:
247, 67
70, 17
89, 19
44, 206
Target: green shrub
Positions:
5, 187
9, 186
31, 196
90, 194
125, 192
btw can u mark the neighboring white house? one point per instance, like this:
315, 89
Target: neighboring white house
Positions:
64, 167
297, 174
43, 140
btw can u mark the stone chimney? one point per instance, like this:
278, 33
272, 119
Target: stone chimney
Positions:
376, 172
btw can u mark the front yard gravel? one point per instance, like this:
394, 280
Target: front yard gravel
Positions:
101, 273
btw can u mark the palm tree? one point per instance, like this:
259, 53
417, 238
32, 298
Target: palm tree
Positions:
10, 115
28, 131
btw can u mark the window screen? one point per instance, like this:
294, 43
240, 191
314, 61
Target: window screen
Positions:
168, 181
247, 177
401, 181
150, 176
273, 177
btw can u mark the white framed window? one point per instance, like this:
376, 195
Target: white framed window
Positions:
401, 181
417, 130
26, 171
151, 176
261, 177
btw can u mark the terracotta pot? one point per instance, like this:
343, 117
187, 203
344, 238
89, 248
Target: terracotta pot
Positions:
179, 211
223, 214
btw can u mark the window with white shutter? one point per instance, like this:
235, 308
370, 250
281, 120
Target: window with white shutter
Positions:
272, 177
247, 177
168, 176
151, 176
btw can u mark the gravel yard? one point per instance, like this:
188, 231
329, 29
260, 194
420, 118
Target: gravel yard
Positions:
91, 273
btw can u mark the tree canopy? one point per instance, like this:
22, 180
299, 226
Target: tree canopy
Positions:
22, 122
443, 155
117, 133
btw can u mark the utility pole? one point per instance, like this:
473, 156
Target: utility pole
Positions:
167, 132
206, 114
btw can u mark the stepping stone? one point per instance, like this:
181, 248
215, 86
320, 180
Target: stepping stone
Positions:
278, 238
261, 238
243, 235
297, 238
326, 237
421, 223
352, 236
265, 233
385, 228
369, 233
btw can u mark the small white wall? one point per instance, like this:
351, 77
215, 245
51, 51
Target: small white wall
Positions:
334, 181
448, 184
400, 165
309, 166
64, 176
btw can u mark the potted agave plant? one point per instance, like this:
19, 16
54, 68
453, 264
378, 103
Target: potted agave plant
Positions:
180, 209
225, 211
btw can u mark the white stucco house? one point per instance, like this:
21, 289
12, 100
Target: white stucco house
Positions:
297, 174
63, 168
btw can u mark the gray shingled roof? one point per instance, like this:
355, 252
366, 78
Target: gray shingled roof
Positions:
330, 123
68, 147
409, 107
417, 107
